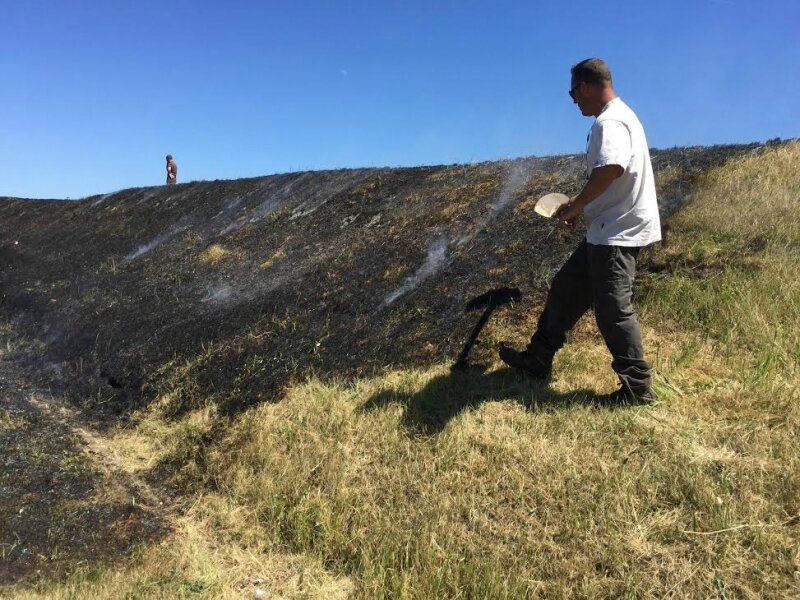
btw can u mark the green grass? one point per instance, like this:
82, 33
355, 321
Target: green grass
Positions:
734, 258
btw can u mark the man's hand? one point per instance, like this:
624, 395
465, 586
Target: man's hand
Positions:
599, 181
568, 214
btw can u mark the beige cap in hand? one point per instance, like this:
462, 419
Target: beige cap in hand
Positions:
550, 203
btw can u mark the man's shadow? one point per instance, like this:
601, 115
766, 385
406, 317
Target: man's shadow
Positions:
428, 410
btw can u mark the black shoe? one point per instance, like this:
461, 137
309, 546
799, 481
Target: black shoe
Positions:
625, 396
533, 366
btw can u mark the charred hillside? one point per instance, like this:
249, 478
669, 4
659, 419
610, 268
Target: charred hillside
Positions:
225, 291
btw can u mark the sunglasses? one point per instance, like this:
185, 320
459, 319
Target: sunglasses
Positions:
572, 91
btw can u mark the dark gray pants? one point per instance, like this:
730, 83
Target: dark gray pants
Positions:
600, 277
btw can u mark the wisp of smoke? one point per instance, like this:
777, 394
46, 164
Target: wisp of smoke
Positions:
102, 198
319, 196
229, 207
148, 194
154, 243
437, 254
270, 204
515, 178
219, 293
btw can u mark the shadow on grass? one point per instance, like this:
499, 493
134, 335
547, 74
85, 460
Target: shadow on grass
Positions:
428, 410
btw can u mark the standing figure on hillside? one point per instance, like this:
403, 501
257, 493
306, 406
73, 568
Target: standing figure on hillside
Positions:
172, 170
619, 207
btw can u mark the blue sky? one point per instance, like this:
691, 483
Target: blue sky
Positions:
94, 94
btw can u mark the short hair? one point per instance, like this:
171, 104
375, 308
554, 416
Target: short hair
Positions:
169, 156
591, 70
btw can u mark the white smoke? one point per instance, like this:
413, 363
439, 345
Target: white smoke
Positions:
517, 175
228, 208
217, 294
270, 204
437, 254
148, 194
102, 198
154, 243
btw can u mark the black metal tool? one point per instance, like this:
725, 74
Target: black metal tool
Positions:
488, 301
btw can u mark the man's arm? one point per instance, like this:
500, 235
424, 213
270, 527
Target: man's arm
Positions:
599, 181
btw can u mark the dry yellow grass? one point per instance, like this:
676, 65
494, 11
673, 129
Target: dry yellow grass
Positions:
215, 254
211, 554
279, 254
553, 497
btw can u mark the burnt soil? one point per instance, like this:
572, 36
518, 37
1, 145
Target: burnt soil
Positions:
64, 501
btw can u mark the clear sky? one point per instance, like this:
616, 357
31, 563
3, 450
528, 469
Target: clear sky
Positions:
94, 94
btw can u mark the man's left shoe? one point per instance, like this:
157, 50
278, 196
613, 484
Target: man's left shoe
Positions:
625, 396
525, 361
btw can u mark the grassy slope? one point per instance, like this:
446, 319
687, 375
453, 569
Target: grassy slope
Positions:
419, 483
244, 291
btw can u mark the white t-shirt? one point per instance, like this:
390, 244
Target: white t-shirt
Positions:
626, 214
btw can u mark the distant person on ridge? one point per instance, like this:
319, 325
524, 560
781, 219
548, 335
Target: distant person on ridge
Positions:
172, 170
619, 207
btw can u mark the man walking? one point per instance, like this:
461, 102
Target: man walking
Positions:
172, 171
619, 206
